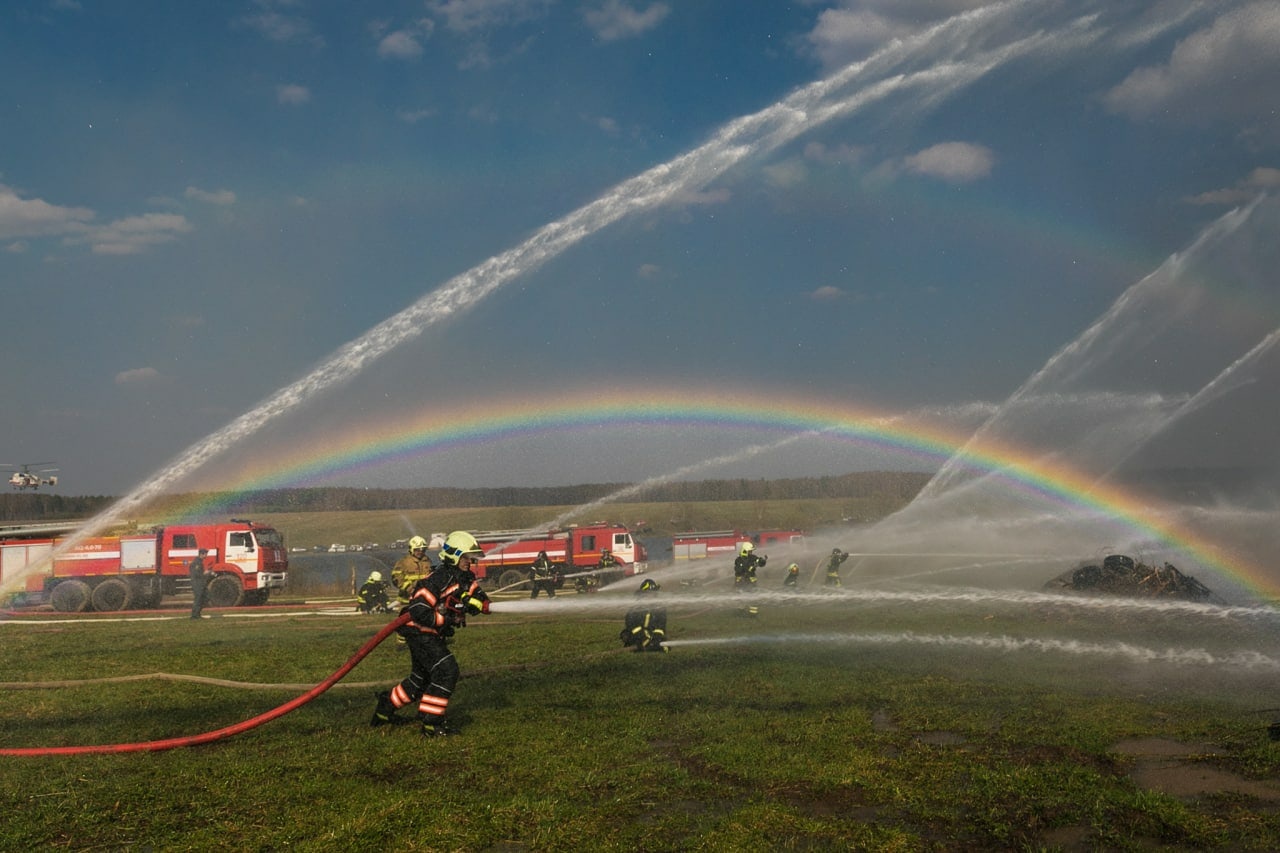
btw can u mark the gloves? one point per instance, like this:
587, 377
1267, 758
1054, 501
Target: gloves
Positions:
484, 608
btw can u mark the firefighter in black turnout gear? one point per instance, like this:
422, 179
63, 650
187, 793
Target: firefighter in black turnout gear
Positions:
438, 605
645, 626
372, 596
744, 572
833, 566
793, 575
542, 575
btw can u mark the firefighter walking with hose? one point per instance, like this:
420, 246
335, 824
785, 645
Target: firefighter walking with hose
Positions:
438, 605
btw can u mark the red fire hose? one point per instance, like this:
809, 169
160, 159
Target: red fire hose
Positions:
238, 728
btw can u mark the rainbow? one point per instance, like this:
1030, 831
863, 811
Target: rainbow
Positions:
331, 457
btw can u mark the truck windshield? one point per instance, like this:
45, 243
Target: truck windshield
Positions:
268, 538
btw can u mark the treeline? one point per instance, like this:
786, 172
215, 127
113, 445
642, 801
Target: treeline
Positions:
899, 486
48, 507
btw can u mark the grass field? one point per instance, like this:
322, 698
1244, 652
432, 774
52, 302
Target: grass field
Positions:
828, 722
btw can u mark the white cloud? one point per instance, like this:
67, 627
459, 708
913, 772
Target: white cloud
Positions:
835, 155
616, 20
1259, 180
414, 116
788, 173
953, 162
857, 28
33, 217
279, 26
17, 247
1228, 69
131, 235
137, 376
219, 197
648, 271
827, 293
291, 93
405, 43
470, 15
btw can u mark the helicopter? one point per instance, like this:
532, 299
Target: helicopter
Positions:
24, 478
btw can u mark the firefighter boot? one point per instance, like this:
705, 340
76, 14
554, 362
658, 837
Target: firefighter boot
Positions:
435, 727
385, 712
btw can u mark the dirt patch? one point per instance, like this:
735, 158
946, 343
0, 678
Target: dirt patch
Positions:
1185, 770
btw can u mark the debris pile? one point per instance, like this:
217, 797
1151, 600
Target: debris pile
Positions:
1122, 575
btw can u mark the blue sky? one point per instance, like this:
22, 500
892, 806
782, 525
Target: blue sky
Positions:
199, 203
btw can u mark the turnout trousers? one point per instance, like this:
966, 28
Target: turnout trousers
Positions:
431, 682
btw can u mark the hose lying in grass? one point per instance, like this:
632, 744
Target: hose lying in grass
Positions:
238, 728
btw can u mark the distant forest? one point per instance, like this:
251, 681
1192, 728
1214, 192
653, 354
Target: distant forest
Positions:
898, 485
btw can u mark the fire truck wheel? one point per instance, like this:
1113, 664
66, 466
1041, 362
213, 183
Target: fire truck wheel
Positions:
111, 595
225, 591
514, 579
256, 597
70, 596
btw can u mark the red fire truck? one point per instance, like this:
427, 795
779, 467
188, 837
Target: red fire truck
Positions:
508, 554
701, 544
135, 570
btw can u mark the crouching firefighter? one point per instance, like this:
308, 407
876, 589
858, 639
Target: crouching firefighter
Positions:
372, 597
645, 627
438, 605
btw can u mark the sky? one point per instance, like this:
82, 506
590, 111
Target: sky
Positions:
238, 237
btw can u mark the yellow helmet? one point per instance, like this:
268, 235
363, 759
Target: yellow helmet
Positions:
793, 568
417, 542
375, 576
747, 548
460, 543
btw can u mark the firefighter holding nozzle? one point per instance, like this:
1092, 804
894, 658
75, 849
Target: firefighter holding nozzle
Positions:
645, 626
372, 596
744, 572
439, 604
542, 575
833, 566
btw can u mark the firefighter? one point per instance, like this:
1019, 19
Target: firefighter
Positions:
542, 575
372, 597
438, 605
833, 566
744, 572
645, 626
410, 569
793, 575
200, 578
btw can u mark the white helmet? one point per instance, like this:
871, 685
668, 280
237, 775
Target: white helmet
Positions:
375, 576
460, 543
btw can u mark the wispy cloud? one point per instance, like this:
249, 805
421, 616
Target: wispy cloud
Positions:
1259, 180
138, 376
615, 20
132, 234
219, 197
273, 23
292, 93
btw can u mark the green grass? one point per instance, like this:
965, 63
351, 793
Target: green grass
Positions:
571, 743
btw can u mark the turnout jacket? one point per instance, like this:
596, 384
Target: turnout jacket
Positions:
441, 601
